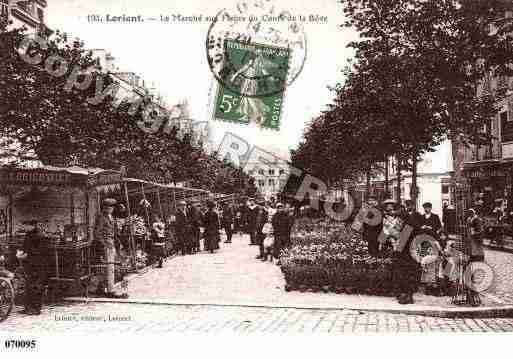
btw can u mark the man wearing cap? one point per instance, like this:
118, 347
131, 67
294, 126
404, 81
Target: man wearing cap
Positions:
104, 234
430, 223
35, 256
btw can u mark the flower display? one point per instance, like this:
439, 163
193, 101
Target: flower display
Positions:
138, 225
326, 254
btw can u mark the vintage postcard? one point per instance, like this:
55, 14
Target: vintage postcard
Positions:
276, 167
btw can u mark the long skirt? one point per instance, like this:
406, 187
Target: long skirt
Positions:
211, 241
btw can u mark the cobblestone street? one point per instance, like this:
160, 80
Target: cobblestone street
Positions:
100, 318
502, 265
232, 277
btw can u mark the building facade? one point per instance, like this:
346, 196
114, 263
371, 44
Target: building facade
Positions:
130, 84
487, 168
29, 13
434, 175
270, 178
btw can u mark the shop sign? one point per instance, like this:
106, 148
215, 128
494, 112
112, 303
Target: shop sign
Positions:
482, 173
105, 179
34, 177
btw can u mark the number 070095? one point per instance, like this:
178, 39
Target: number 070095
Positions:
19, 344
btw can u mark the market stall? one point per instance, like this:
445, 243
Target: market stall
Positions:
65, 201
148, 201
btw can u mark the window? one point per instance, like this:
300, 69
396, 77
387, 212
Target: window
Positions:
271, 172
271, 182
40, 14
261, 172
505, 117
261, 183
282, 171
4, 8
445, 189
486, 128
28, 6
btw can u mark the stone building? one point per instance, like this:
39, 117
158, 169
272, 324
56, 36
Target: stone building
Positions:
29, 13
488, 167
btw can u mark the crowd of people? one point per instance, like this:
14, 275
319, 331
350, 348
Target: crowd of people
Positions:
269, 226
193, 227
419, 263
267, 223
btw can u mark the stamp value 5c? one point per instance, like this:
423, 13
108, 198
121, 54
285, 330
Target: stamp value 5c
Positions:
252, 82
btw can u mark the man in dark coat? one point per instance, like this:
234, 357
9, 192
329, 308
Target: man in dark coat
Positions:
211, 221
35, 256
182, 227
430, 223
406, 268
281, 226
244, 218
252, 212
291, 214
195, 219
261, 217
227, 221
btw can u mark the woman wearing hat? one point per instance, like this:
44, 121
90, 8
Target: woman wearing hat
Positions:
392, 225
182, 226
372, 230
211, 222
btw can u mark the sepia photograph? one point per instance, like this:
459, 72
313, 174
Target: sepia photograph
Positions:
274, 168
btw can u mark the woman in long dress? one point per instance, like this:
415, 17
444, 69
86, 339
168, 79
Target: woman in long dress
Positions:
211, 222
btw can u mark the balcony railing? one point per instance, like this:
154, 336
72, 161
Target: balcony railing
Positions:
487, 152
28, 12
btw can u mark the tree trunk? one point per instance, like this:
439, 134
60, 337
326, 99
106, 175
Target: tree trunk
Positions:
399, 181
414, 191
387, 192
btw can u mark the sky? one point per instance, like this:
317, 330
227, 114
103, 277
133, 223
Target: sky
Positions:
173, 55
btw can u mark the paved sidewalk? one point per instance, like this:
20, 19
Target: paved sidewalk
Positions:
233, 277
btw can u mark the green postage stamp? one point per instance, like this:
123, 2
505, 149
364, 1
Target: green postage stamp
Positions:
251, 84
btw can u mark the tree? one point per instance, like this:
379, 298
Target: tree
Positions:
43, 118
413, 82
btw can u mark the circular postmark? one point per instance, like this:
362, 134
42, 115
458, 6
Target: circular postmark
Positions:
254, 49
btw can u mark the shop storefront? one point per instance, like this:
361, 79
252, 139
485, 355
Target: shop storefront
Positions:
489, 182
65, 202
